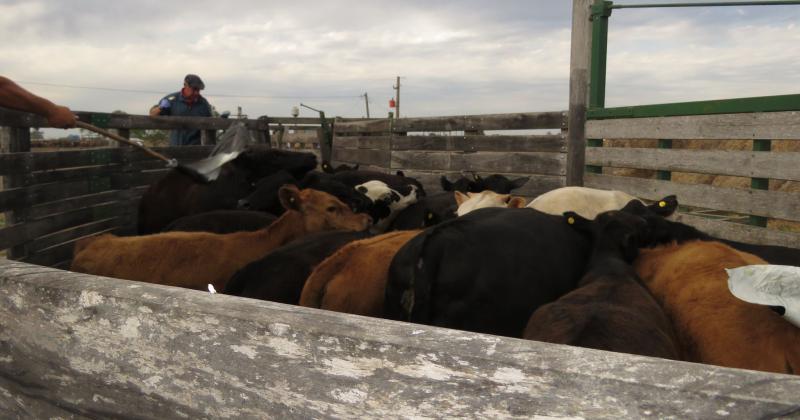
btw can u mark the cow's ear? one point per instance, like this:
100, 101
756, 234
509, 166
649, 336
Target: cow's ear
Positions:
664, 207
516, 202
446, 184
575, 220
290, 197
519, 182
460, 197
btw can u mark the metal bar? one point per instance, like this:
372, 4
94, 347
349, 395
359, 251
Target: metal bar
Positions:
720, 106
664, 175
707, 4
760, 183
597, 83
600, 12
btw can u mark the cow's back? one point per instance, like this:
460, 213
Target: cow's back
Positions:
713, 326
486, 271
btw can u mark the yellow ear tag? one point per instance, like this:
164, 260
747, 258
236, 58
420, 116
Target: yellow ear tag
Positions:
571, 220
430, 215
662, 204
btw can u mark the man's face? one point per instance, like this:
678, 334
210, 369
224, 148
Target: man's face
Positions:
190, 92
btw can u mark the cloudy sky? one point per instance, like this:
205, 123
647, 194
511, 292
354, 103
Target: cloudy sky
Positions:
453, 57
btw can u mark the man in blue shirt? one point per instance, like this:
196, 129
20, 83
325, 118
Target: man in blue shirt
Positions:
186, 102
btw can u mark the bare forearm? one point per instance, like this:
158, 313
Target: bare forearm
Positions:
14, 96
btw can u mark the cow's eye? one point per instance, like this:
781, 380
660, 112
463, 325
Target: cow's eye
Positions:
332, 209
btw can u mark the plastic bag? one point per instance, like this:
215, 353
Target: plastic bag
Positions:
774, 285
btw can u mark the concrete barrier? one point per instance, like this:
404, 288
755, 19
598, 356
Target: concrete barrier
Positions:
73, 345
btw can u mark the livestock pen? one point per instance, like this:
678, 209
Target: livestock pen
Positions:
75, 345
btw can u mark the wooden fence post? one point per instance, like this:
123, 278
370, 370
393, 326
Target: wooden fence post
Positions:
578, 91
18, 141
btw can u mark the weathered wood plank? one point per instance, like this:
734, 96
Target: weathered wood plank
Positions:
580, 55
512, 121
740, 232
368, 156
23, 232
775, 165
761, 125
365, 126
78, 345
439, 161
528, 162
482, 143
362, 142
74, 203
71, 234
777, 204
9, 117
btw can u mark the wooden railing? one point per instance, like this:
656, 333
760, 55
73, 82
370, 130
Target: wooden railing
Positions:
51, 199
772, 205
426, 148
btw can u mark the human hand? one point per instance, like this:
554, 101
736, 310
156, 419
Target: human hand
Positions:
61, 117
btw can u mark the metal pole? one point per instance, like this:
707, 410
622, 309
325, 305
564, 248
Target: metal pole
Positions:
708, 4
366, 102
397, 96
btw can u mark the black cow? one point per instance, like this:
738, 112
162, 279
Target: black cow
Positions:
395, 182
664, 229
321, 181
486, 271
497, 183
222, 221
265, 193
327, 168
281, 275
428, 211
610, 310
177, 194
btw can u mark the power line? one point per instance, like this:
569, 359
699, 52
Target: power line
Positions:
216, 95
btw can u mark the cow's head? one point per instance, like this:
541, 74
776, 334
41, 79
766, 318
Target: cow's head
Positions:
321, 211
615, 233
472, 201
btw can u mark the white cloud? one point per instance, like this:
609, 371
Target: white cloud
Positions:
462, 57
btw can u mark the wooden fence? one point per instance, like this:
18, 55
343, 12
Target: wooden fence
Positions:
52, 199
426, 148
80, 346
721, 203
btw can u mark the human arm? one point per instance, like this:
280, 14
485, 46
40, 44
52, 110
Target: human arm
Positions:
14, 96
164, 107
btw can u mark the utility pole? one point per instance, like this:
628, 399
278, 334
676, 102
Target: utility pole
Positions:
366, 102
397, 96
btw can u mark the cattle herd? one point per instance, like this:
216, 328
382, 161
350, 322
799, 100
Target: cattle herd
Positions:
577, 266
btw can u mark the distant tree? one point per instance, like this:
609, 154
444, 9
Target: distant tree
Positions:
36, 134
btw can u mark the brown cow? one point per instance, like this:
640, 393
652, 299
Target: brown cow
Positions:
353, 280
610, 309
713, 326
196, 259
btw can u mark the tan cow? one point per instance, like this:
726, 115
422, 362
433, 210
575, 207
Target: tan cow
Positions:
713, 326
196, 259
